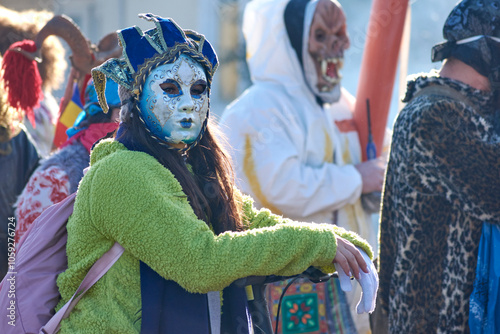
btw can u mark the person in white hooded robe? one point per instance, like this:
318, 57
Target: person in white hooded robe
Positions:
295, 145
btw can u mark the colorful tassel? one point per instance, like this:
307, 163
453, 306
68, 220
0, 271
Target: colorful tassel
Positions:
22, 79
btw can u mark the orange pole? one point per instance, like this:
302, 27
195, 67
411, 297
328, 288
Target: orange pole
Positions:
378, 69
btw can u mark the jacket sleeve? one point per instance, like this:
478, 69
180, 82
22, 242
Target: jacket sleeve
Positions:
459, 156
254, 218
268, 160
140, 205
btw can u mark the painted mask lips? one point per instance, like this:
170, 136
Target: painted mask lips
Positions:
186, 123
330, 69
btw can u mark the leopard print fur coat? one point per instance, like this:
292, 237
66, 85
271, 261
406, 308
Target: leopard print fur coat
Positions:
442, 182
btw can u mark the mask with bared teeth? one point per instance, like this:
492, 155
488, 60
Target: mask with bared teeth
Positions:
324, 41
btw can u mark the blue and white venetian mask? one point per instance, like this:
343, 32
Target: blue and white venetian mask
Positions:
174, 101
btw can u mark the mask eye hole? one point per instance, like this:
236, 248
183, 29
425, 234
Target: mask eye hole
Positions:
319, 35
198, 88
171, 88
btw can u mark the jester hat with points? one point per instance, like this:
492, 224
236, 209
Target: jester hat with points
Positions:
144, 51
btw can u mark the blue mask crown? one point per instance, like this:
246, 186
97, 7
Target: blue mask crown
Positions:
144, 51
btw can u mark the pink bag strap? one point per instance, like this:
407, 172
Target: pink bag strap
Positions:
95, 273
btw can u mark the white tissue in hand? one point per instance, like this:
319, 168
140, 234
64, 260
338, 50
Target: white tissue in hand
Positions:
344, 279
369, 286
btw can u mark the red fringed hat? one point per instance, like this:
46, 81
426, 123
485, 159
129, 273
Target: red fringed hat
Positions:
22, 80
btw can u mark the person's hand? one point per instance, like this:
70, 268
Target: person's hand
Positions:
368, 282
349, 258
372, 174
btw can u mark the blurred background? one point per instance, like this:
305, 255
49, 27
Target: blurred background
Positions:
220, 22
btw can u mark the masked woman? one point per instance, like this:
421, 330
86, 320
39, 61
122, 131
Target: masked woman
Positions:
163, 189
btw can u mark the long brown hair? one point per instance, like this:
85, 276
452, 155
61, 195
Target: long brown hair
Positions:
209, 187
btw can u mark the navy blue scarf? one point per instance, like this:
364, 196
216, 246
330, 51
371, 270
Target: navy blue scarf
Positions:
168, 308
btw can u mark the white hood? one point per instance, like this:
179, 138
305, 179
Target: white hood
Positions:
270, 55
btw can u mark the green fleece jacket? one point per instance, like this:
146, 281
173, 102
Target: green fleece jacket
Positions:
129, 197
